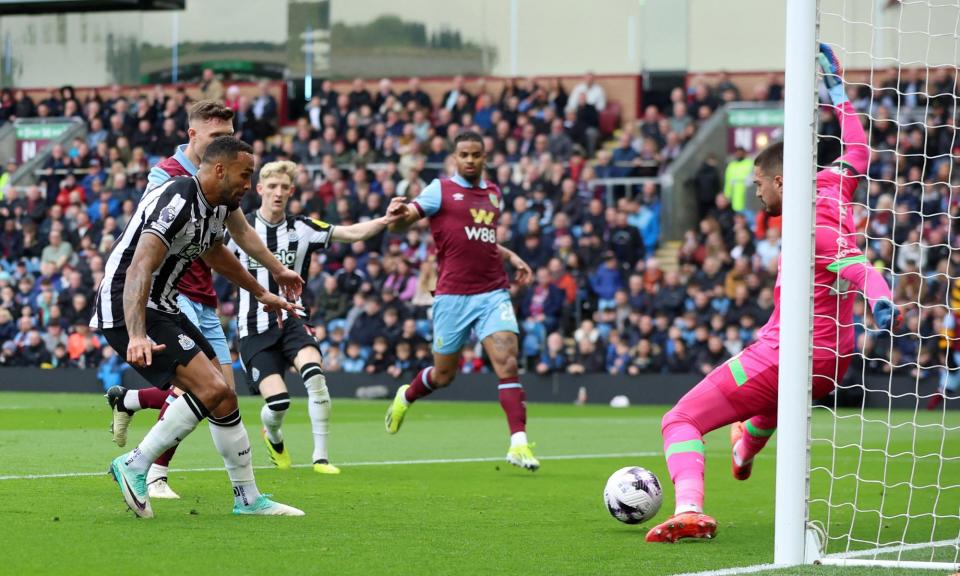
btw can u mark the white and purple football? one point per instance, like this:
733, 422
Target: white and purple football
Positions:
633, 495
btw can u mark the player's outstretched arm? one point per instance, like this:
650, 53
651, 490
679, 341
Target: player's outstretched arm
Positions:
291, 284
863, 277
147, 257
404, 215
856, 152
370, 228
225, 263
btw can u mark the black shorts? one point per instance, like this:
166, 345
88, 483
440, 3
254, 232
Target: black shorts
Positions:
273, 351
182, 338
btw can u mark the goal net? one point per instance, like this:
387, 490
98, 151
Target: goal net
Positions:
884, 476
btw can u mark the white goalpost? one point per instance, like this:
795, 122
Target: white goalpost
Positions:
870, 475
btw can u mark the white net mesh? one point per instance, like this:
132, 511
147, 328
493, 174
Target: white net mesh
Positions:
885, 461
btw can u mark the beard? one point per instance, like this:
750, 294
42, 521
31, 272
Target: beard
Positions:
232, 204
228, 196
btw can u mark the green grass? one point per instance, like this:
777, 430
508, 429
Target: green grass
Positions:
441, 518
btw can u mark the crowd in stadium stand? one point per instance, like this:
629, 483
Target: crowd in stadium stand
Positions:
600, 301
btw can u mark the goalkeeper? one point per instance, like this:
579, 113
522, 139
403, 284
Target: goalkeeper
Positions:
744, 389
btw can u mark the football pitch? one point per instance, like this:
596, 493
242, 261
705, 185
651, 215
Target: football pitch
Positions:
436, 498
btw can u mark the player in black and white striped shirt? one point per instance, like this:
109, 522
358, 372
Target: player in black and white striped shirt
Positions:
137, 312
268, 348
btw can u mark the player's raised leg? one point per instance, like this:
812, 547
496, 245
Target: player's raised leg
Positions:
744, 385
276, 402
424, 383
205, 388
747, 439
309, 363
453, 320
124, 403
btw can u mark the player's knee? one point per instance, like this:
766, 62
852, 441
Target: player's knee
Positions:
211, 388
673, 417
220, 392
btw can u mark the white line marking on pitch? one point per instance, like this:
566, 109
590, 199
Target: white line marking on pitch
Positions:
734, 571
897, 548
852, 554
355, 464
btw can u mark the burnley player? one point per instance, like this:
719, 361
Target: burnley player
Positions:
471, 292
745, 387
271, 342
207, 120
137, 312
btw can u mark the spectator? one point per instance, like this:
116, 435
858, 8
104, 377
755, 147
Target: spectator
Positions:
57, 251
381, 359
606, 281
34, 352
111, 369
402, 282
403, 363
543, 302
712, 356
348, 279
61, 359
593, 94
619, 358
469, 362
80, 340
646, 359
587, 360
625, 240
9, 355
452, 96
368, 324
707, 184
210, 86
415, 94
736, 178
553, 359
353, 361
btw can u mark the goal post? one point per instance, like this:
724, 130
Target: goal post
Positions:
870, 475
796, 281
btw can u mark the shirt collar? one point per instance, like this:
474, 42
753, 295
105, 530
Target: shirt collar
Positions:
181, 157
462, 182
203, 199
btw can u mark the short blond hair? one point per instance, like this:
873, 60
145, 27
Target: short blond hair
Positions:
279, 168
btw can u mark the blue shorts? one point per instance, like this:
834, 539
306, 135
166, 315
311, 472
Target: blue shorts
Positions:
455, 316
205, 318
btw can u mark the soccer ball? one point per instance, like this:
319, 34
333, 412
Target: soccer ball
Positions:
633, 495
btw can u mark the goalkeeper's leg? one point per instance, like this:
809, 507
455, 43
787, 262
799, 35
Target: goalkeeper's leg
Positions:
748, 438
743, 386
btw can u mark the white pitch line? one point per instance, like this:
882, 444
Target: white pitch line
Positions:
355, 464
893, 549
733, 571
854, 554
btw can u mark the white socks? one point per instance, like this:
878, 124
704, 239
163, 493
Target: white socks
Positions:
272, 413
230, 438
156, 472
178, 422
131, 400
518, 439
318, 406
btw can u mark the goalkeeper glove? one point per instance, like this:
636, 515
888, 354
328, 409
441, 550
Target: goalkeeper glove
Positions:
887, 315
832, 74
